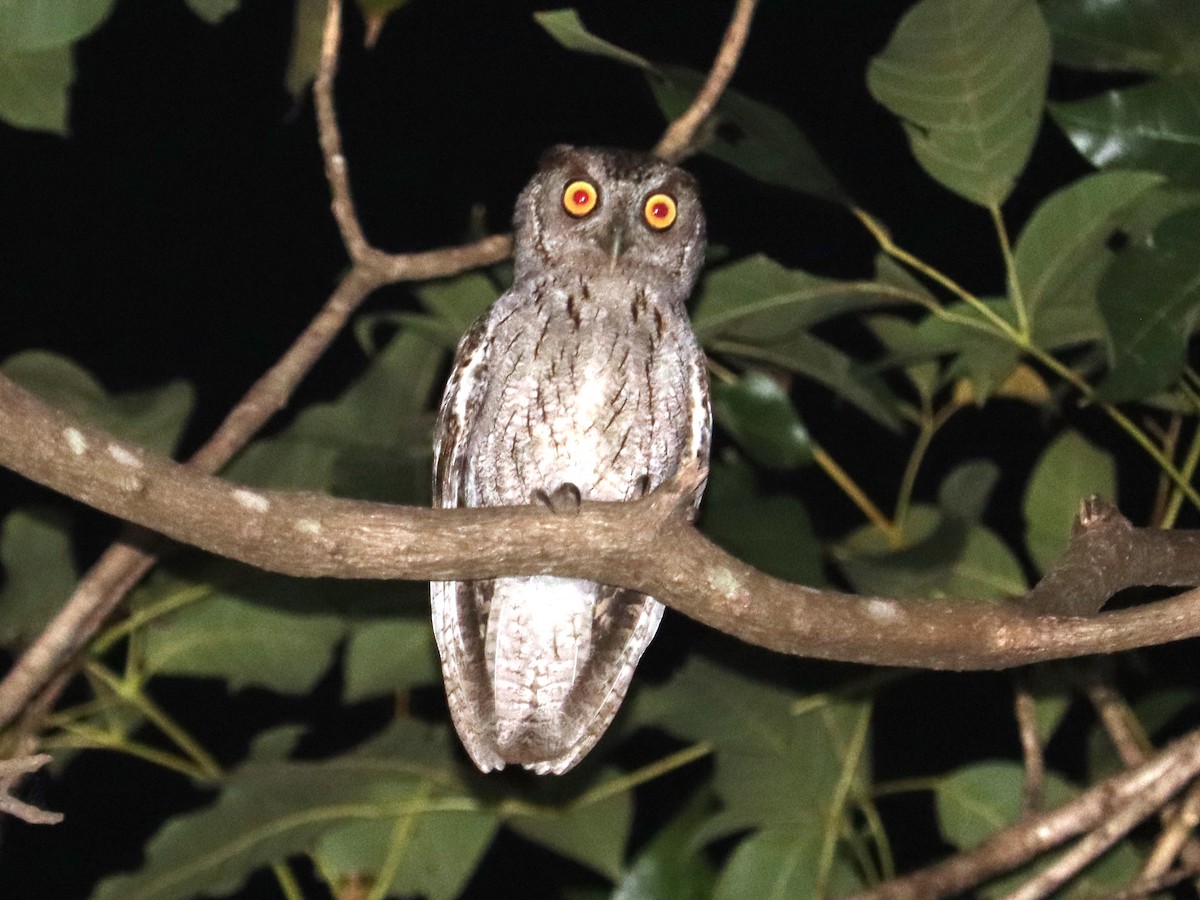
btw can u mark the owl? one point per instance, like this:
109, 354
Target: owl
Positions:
583, 382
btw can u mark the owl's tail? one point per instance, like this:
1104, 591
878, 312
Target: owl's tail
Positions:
539, 639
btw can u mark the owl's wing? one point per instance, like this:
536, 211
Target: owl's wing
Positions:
457, 622
626, 620
625, 629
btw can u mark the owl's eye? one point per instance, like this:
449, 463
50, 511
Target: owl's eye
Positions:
580, 198
659, 211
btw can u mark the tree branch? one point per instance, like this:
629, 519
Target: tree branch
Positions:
677, 140
647, 545
126, 561
1122, 800
12, 771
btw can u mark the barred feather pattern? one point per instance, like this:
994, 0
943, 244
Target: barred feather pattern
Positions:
585, 373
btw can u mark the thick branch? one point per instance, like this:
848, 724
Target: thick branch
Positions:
647, 546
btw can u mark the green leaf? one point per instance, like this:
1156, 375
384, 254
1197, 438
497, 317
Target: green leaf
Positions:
213, 11
44, 24
381, 7
1150, 301
757, 299
775, 766
755, 309
946, 553
246, 644
389, 655
439, 851
153, 418
742, 132
373, 442
1153, 713
1063, 248
458, 301
772, 533
1070, 470
980, 354
978, 800
267, 811
565, 26
305, 56
1161, 36
35, 88
1152, 126
968, 79
671, 866
39, 573
782, 863
759, 415
750, 136
594, 834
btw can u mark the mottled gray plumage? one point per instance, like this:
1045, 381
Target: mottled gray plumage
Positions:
586, 374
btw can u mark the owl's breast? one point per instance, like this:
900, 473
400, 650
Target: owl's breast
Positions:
586, 389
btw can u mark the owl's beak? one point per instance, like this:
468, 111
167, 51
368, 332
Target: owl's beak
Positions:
614, 242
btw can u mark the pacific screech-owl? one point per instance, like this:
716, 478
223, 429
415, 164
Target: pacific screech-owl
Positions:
584, 379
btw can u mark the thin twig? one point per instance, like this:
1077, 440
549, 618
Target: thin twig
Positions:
1025, 709
12, 771
1134, 748
677, 140
1124, 798
1108, 832
103, 587
1176, 836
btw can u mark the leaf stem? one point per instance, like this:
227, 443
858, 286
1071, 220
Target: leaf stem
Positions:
399, 844
899, 253
288, 886
134, 695
857, 495
837, 805
676, 760
1024, 342
1010, 267
82, 737
1187, 470
177, 600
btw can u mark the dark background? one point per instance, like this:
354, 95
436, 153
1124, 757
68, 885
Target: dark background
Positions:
182, 231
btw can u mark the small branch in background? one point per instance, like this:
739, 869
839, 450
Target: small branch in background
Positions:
1025, 709
1177, 837
103, 587
1104, 812
676, 141
1149, 887
1104, 546
12, 771
1133, 748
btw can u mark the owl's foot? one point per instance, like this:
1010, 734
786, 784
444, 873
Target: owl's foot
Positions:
564, 499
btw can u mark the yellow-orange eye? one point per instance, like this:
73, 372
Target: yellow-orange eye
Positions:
579, 198
659, 211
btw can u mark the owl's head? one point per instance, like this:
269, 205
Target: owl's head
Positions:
597, 211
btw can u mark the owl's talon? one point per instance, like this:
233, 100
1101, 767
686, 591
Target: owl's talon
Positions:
641, 487
564, 499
